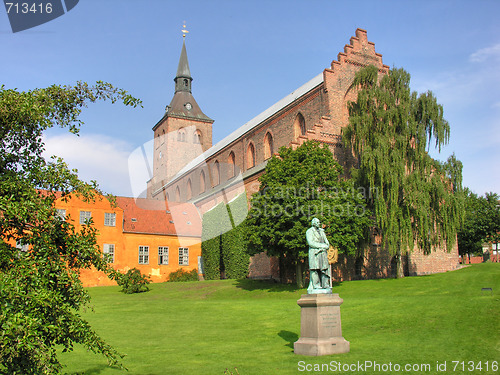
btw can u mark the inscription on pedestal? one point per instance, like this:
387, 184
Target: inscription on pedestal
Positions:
329, 320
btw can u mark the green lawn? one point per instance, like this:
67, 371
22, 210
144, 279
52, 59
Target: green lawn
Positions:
206, 327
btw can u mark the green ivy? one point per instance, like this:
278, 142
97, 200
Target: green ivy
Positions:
223, 241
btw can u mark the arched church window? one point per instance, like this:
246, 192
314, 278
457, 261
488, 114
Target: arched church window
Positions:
181, 135
299, 126
189, 190
250, 156
216, 174
177, 194
202, 182
268, 146
230, 165
197, 137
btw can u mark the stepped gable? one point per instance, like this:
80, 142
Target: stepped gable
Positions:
360, 52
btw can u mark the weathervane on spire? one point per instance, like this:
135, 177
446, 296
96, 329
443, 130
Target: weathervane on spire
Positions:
184, 31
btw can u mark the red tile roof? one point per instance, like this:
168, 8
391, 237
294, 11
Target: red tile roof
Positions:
158, 217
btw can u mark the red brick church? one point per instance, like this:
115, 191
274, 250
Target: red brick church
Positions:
187, 167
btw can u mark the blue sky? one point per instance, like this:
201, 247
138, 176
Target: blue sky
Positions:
245, 56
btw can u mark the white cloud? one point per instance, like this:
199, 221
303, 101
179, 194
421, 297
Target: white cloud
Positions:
469, 94
487, 53
96, 157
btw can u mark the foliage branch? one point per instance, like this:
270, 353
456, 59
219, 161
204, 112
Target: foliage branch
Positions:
298, 185
40, 291
481, 223
419, 199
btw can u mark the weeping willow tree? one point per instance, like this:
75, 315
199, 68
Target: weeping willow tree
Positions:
418, 200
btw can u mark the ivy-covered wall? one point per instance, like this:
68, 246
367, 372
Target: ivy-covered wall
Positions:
223, 247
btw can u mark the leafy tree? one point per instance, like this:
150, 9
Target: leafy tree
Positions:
419, 199
40, 291
481, 223
298, 185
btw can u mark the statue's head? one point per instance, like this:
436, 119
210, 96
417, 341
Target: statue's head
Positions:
315, 222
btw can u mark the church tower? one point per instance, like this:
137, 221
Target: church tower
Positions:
183, 133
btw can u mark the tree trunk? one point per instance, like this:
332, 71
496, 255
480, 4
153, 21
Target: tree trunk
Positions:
282, 268
299, 273
399, 265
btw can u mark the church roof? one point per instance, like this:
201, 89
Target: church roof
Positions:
149, 216
178, 107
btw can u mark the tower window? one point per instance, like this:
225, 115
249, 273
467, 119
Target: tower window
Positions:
197, 137
181, 135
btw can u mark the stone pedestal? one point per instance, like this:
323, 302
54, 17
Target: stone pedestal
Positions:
320, 327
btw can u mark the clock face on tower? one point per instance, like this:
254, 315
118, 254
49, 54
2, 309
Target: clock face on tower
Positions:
188, 106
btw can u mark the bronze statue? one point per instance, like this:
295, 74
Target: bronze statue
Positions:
319, 266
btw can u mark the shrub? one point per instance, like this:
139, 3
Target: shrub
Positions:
181, 275
133, 282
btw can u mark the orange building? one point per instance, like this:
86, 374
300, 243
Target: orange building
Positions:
148, 235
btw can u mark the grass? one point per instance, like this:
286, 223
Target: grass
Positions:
206, 327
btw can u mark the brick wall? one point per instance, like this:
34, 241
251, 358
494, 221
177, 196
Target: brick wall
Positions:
437, 261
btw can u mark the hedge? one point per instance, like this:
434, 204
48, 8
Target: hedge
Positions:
223, 240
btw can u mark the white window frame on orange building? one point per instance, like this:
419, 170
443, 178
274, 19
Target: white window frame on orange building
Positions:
163, 255
85, 217
143, 254
109, 219
183, 256
108, 251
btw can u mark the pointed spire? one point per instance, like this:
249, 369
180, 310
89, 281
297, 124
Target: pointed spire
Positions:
183, 104
183, 77
183, 68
